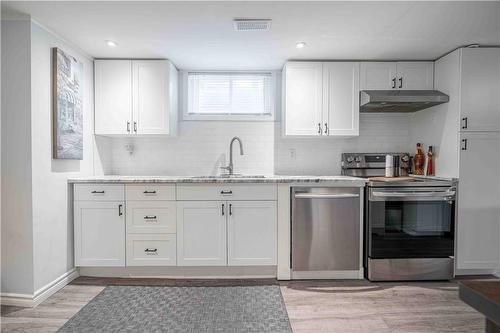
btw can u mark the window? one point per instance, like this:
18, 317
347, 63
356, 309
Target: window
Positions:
229, 96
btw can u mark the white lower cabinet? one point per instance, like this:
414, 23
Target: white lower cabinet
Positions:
252, 233
99, 233
201, 233
151, 250
478, 224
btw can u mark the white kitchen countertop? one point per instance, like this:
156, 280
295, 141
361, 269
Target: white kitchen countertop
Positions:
214, 179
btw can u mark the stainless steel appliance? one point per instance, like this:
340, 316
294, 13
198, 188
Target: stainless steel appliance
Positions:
409, 226
325, 232
400, 100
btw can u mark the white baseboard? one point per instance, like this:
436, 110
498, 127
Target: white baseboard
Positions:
32, 300
182, 272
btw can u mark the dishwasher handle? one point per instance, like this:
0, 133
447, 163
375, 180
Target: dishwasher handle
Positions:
325, 196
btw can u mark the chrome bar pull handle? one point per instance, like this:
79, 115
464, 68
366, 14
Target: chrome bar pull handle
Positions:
149, 192
97, 192
226, 192
222, 210
230, 209
150, 217
135, 126
319, 128
464, 144
120, 212
400, 82
393, 83
326, 128
128, 126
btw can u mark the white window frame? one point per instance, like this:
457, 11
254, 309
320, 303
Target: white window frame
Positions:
229, 117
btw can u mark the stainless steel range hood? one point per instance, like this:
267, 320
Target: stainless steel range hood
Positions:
400, 100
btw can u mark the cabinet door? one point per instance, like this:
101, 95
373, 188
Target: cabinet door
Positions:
99, 233
480, 82
201, 233
378, 76
341, 98
302, 102
478, 224
252, 233
113, 96
418, 75
150, 96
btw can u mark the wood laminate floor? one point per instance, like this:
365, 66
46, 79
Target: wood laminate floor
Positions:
313, 306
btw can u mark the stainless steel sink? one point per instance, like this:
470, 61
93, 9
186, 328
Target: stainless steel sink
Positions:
229, 176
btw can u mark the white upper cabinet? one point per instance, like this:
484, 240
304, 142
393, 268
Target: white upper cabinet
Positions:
480, 89
321, 99
341, 98
417, 75
302, 98
135, 97
113, 98
378, 76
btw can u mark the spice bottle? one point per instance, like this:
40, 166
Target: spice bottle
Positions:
419, 160
430, 163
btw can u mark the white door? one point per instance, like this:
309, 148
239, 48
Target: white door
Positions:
302, 101
341, 98
113, 96
252, 233
480, 89
378, 76
99, 233
418, 75
150, 96
201, 233
478, 224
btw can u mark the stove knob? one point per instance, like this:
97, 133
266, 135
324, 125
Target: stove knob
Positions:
357, 159
350, 159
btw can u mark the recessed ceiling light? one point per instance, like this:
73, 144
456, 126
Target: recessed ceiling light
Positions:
301, 45
111, 43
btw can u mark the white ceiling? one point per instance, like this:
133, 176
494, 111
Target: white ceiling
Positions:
200, 35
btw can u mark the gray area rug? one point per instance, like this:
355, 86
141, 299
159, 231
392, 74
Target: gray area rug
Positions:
183, 309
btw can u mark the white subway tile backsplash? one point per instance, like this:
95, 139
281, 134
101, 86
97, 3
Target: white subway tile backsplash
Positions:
201, 148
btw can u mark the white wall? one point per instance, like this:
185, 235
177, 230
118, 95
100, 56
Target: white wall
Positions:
438, 126
202, 147
17, 227
52, 218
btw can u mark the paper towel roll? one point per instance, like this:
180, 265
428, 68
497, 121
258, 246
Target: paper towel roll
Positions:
389, 166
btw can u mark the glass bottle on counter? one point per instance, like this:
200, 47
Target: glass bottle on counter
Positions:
430, 163
419, 160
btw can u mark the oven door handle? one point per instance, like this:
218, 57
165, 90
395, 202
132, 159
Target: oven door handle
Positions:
407, 195
325, 196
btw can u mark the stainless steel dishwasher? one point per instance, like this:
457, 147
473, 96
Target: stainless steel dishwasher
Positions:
326, 236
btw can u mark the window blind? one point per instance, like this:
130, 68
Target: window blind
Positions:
229, 93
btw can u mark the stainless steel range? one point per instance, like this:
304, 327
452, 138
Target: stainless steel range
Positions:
409, 225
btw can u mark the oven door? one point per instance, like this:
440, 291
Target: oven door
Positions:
406, 222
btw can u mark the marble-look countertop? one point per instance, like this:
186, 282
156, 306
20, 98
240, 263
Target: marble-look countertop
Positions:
216, 179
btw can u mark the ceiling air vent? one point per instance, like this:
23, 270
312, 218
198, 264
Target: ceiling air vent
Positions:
252, 24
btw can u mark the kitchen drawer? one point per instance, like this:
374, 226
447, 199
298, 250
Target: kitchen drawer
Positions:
151, 217
150, 192
227, 192
99, 192
151, 250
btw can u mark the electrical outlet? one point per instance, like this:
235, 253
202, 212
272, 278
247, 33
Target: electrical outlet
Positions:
293, 153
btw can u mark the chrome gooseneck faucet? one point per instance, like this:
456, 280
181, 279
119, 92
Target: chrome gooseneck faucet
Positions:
230, 167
